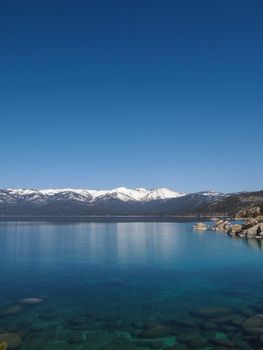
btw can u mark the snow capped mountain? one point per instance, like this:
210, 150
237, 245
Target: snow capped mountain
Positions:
117, 201
162, 193
120, 193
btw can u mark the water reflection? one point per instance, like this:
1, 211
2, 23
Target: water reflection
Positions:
96, 243
253, 243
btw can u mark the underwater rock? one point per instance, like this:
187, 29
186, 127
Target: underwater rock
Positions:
221, 320
208, 326
48, 315
30, 301
223, 342
211, 312
156, 345
12, 310
119, 343
158, 331
3, 345
261, 339
78, 320
181, 323
246, 311
237, 321
197, 343
187, 337
150, 344
255, 331
150, 324
227, 328
13, 340
253, 321
137, 324
74, 340
177, 347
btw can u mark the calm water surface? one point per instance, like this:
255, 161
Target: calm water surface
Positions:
112, 286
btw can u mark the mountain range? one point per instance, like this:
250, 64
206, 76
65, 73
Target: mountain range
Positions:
122, 201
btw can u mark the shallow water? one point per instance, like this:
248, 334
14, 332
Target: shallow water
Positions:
104, 285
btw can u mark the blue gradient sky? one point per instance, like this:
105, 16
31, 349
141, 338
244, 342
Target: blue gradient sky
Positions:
132, 93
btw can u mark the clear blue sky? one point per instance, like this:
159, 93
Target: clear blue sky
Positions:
136, 93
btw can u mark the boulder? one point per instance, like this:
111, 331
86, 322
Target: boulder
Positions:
223, 342
13, 340
208, 326
219, 222
249, 223
177, 347
198, 343
211, 312
222, 225
256, 230
31, 301
200, 226
254, 321
150, 344
234, 229
11, 310
158, 331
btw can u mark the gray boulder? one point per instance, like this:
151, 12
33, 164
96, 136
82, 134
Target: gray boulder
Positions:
234, 229
255, 231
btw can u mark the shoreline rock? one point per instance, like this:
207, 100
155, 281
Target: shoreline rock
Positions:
200, 226
251, 228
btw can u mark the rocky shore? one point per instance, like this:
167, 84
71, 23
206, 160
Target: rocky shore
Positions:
251, 226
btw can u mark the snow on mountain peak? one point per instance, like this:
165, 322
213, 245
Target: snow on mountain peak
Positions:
120, 193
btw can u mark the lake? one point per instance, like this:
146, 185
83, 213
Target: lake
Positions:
128, 285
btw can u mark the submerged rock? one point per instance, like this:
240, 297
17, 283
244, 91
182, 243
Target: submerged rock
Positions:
211, 312
3, 345
253, 321
150, 344
223, 342
157, 331
12, 310
13, 340
181, 323
177, 347
208, 326
30, 301
253, 325
198, 343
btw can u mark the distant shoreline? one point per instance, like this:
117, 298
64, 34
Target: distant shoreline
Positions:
103, 218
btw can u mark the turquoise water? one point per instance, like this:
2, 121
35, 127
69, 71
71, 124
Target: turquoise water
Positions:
128, 285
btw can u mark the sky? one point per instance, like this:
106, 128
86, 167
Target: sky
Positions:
135, 93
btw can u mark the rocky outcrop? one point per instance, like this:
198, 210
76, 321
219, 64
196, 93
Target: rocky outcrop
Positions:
252, 228
249, 213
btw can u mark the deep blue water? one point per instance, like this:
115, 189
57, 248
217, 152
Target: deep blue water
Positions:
103, 284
